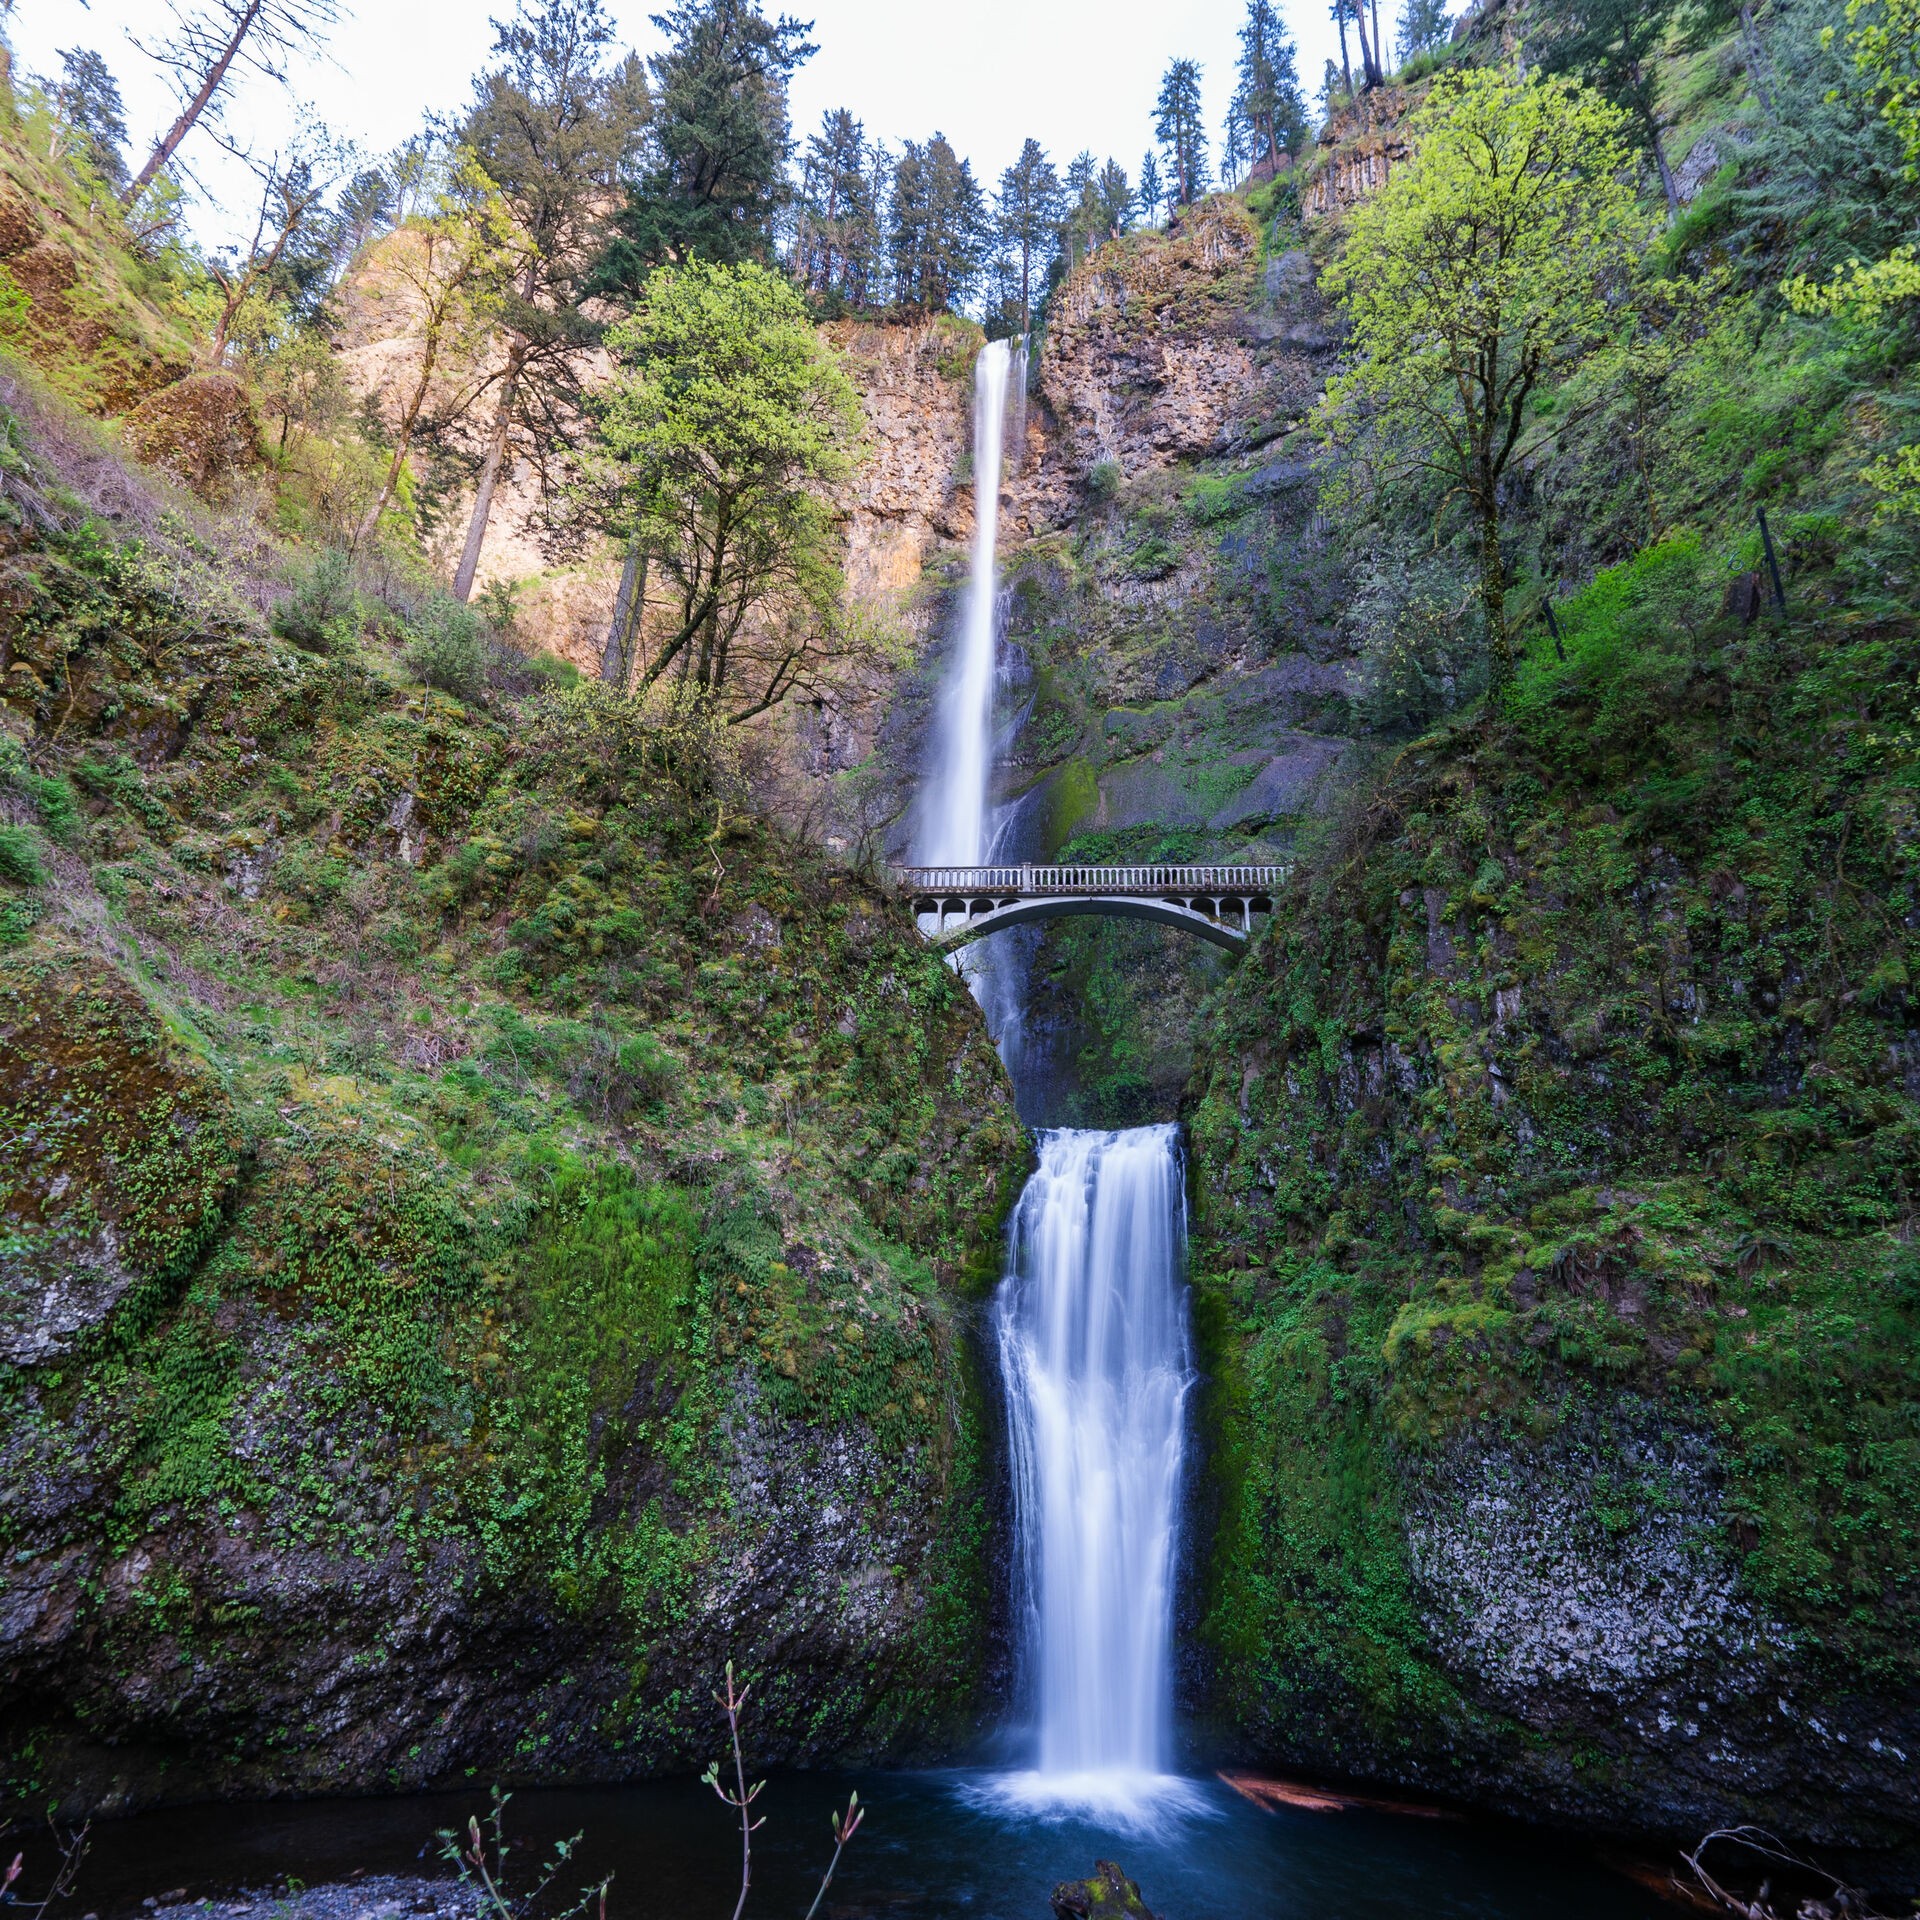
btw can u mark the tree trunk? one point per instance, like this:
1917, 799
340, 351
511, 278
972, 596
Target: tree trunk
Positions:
1346, 65
489, 479
616, 664
1754, 49
191, 112
1668, 185
403, 441
1493, 595
1379, 46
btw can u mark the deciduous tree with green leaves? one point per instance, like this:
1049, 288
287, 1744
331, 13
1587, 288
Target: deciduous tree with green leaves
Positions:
726, 421
1480, 273
1885, 36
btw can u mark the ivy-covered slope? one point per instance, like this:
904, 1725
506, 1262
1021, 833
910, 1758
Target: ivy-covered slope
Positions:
1556, 1159
489, 1236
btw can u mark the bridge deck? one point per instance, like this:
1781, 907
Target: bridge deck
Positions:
1029, 880
1216, 902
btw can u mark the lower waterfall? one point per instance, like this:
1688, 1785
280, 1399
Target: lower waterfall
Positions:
1092, 1327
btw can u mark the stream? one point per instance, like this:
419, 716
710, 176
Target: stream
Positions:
933, 1844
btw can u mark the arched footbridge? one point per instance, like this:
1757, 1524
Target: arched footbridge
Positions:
1216, 903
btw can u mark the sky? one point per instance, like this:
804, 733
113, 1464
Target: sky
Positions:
1071, 73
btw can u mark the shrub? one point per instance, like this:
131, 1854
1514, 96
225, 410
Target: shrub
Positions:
53, 800
449, 648
1211, 499
1106, 480
322, 613
20, 860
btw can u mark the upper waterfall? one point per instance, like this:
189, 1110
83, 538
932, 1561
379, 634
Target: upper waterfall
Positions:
953, 827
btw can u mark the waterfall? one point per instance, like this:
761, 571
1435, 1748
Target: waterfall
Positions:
1092, 1329
953, 827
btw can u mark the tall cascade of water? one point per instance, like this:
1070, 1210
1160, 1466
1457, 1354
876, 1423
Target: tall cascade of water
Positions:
953, 828
1092, 1329
1091, 1317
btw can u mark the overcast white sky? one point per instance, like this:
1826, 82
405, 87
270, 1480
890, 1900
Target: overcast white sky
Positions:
1073, 73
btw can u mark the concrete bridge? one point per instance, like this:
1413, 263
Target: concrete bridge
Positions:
1215, 903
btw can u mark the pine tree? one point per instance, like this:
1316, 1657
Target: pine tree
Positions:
1611, 44
940, 229
1114, 193
1267, 94
1424, 25
87, 98
553, 127
718, 145
1152, 193
1029, 209
1181, 132
836, 213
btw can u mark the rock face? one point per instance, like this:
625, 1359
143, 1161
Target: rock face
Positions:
451, 1366
1359, 147
1567, 1414
1147, 362
201, 430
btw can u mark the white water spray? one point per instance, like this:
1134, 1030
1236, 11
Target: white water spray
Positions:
953, 828
1092, 1328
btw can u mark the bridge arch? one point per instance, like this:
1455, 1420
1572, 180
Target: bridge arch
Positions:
1216, 904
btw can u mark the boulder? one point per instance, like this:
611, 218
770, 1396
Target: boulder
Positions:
200, 429
1109, 1895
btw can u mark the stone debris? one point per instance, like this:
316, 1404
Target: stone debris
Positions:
377, 1897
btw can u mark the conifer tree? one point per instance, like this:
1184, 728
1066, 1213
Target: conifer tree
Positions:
87, 98
940, 231
1424, 25
553, 127
719, 142
1029, 209
1611, 44
1267, 96
1181, 132
834, 236
1152, 192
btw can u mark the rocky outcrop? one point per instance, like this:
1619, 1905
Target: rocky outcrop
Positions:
1559, 1392
1359, 147
1148, 361
201, 430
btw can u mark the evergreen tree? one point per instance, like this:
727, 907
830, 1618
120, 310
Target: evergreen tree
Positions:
87, 98
1182, 134
1424, 24
940, 230
836, 230
1152, 193
1611, 44
719, 142
1267, 95
1236, 145
1114, 193
554, 128
1342, 11
1029, 209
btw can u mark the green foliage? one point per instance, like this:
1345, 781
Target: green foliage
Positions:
1567, 1085
21, 864
449, 647
322, 613
727, 417
1483, 270
1105, 480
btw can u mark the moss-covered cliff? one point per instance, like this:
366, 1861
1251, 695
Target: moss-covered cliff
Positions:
491, 1231
1555, 1164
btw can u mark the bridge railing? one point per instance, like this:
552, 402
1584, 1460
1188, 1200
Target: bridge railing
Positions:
1042, 879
